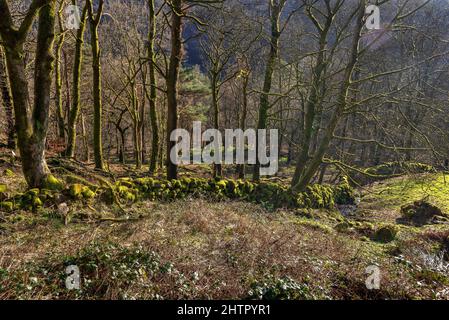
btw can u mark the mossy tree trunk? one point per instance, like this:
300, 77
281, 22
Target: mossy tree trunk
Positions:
276, 7
7, 102
218, 168
152, 97
58, 79
172, 82
31, 123
243, 116
77, 67
95, 20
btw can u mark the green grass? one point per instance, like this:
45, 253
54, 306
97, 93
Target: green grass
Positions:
393, 194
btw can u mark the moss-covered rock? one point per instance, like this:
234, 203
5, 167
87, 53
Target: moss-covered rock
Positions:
386, 233
422, 213
344, 194
316, 196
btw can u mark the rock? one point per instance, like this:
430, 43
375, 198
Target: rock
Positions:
386, 233
63, 209
421, 213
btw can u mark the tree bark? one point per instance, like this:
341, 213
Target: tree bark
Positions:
172, 82
58, 80
7, 102
153, 88
241, 167
77, 66
218, 168
32, 125
276, 7
97, 87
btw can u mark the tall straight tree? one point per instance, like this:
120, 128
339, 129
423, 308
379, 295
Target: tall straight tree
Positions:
7, 101
171, 77
152, 96
276, 7
172, 82
31, 122
77, 66
58, 79
94, 21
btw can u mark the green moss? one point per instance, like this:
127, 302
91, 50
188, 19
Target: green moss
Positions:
126, 182
33, 192
76, 190
3, 192
52, 183
7, 206
344, 194
9, 173
87, 193
386, 233
37, 202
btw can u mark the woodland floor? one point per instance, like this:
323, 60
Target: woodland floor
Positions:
199, 249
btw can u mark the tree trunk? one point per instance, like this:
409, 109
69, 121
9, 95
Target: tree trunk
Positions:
218, 169
310, 113
153, 88
7, 102
85, 141
58, 80
97, 88
32, 125
77, 66
172, 82
264, 104
241, 167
